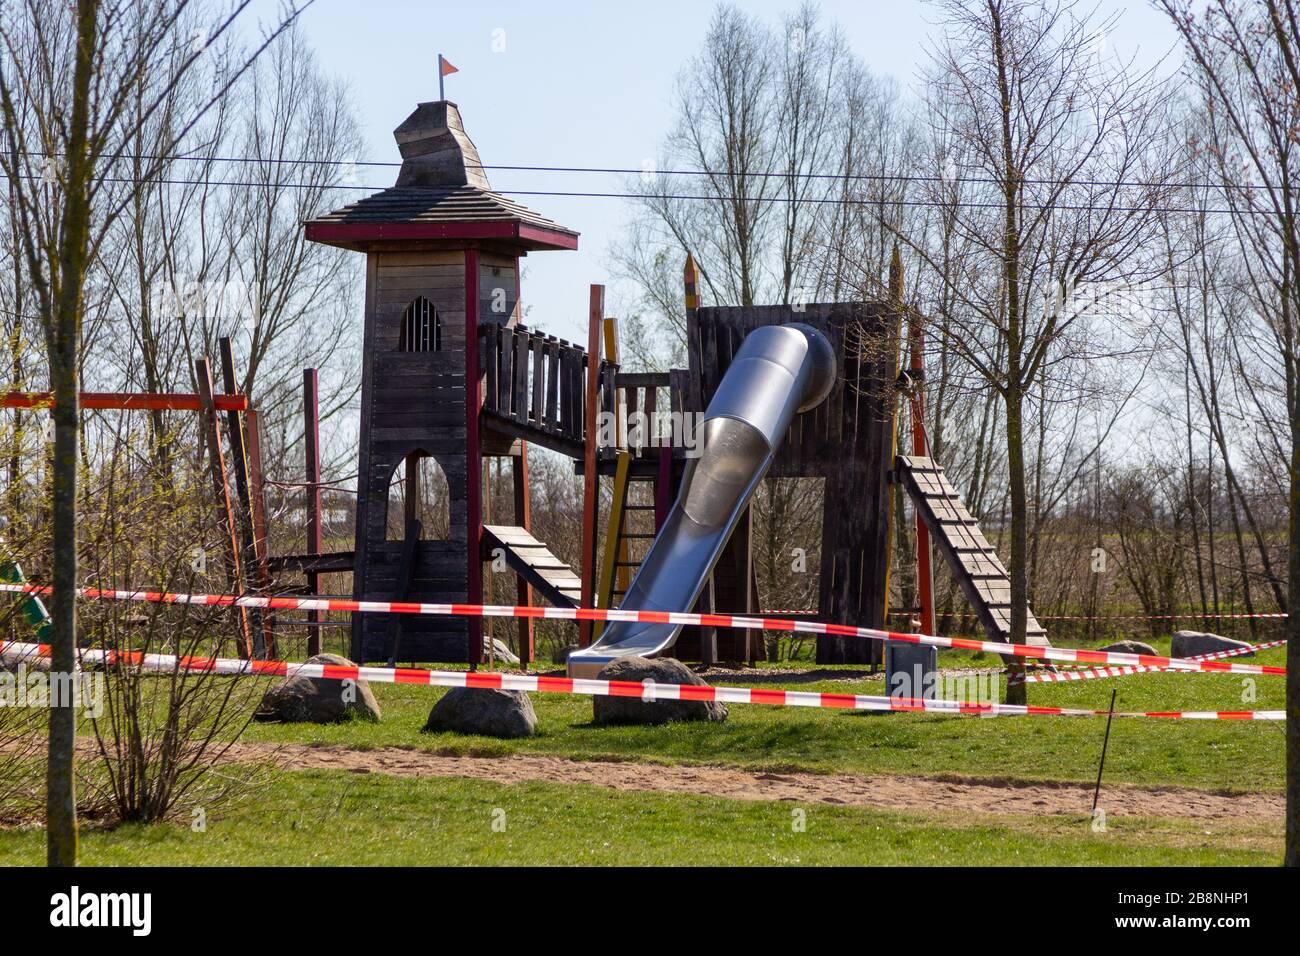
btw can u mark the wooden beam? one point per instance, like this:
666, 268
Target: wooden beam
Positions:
411, 495
523, 518
590, 476
244, 520
313, 564
261, 543
161, 401
224, 512
920, 449
311, 425
402, 590
613, 532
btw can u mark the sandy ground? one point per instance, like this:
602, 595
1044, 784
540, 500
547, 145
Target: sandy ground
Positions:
944, 794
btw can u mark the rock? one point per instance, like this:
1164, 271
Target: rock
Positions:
1130, 647
498, 649
484, 711
1192, 643
562, 655
12, 660
661, 670
319, 700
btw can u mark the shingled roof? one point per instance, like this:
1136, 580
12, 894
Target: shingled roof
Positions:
442, 192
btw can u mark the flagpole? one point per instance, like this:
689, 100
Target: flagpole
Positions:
442, 94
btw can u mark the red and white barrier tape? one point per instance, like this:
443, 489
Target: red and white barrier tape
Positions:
1189, 616
1071, 655
647, 691
1088, 673
1186, 616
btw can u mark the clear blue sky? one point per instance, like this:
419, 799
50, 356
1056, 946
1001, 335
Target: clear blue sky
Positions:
580, 84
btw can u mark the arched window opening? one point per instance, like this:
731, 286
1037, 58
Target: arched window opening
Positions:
421, 328
418, 489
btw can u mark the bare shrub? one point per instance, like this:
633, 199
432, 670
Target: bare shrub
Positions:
163, 739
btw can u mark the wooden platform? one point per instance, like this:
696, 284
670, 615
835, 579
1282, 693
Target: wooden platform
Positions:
533, 561
974, 562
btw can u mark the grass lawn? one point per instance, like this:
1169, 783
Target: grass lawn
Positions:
334, 817
323, 818
1216, 754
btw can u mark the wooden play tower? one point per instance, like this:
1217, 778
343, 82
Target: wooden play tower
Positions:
442, 263
451, 375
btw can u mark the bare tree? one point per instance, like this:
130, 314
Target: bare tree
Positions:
68, 76
1245, 59
1050, 186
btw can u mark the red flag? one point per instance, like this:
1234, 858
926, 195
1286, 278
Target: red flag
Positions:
446, 68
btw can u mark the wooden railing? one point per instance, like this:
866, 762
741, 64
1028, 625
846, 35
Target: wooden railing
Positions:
538, 382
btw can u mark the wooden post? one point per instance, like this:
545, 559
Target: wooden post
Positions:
473, 460
311, 444
411, 497
261, 546
244, 519
613, 531
622, 568
707, 602
590, 477
405, 573
523, 518
225, 515
916, 335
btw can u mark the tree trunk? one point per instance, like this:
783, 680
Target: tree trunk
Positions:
64, 345
1019, 527
1292, 857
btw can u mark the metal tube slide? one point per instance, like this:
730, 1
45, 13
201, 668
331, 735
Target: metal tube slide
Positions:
779, 371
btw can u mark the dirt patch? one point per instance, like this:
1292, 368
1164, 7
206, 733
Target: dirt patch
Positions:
945, 794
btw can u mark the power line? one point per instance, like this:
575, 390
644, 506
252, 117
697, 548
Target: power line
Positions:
683, 197
630, 171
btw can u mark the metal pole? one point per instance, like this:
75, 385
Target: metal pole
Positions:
1104, 744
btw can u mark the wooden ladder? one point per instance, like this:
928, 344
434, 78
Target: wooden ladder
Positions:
628, 535
983, 578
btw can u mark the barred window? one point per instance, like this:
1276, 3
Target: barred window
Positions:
421, 328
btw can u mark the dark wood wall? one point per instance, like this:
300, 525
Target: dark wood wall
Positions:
498, 294
848, 441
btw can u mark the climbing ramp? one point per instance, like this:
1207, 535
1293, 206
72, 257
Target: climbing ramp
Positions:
534, 562
974, 562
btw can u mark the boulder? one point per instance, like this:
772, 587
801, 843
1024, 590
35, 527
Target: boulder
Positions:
661, 670
484, 711
497, 649
12, 660
1130, 647
1194, 643
561, 656
319, 700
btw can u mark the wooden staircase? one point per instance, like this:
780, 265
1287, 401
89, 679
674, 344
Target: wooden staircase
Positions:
534, 562
974, 562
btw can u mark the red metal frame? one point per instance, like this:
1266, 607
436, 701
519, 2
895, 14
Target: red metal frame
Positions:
924, 575
524, 516
590, 478
311, 426
160, 401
